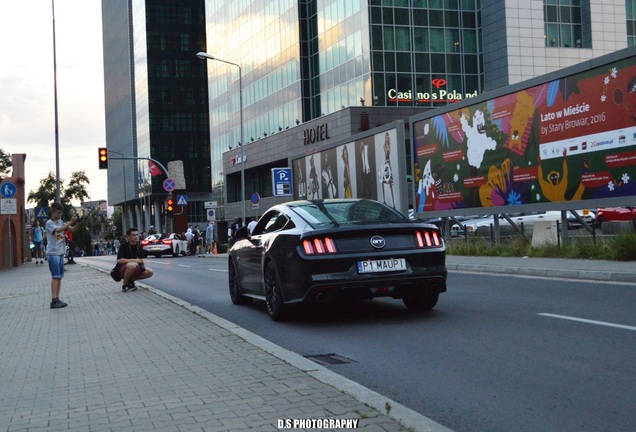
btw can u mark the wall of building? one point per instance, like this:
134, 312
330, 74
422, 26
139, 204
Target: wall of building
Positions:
514, 39
14, 240
290, 143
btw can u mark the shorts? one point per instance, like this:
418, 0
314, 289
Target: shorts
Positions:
135, 274
56, 266
37, 246
209, 241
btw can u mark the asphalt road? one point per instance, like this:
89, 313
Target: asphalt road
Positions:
498, 353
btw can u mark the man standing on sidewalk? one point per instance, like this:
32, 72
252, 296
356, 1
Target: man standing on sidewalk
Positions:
130, 257
38, 237
209, 238
56, 247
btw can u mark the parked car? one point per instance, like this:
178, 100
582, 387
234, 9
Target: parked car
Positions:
527, 220
320, 251
607, 214
160, 244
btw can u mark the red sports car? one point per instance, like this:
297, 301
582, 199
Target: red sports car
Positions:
608, 214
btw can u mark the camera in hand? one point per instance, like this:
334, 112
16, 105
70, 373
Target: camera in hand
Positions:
142, 267
78, 218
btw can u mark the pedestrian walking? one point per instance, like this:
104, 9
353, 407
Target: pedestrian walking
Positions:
56, 230
209, 238
38, 237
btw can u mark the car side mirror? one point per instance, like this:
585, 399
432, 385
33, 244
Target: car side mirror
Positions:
242, 233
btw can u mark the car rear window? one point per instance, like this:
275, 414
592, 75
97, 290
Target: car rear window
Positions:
348, 212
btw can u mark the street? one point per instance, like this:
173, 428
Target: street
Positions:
498, 353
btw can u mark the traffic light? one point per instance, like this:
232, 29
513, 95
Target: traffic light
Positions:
103, 157
169, 207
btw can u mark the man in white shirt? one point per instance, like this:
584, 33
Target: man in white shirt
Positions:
251, 225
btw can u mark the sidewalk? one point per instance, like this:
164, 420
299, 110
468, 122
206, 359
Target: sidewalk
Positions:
114, 361
596, 270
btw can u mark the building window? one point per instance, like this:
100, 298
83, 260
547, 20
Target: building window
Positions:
563, 23
630, 9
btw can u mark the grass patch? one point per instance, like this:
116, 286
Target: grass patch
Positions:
621, 247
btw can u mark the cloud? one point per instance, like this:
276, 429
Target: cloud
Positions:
27, 105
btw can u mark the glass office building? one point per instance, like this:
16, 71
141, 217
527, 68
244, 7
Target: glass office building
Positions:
156, 104
301, 60
293, 62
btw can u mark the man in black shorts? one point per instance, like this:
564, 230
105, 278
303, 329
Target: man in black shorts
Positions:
130, 256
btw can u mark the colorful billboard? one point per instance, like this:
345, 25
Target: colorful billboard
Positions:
367, 167
566, 140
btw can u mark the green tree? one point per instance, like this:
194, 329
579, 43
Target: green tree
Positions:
44, 196
5, 163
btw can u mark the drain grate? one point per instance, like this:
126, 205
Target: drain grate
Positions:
329, 359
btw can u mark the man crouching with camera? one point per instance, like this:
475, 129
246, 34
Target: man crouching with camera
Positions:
130, 256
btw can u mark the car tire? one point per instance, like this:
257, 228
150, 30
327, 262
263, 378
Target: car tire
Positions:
175, 251
421, 302
273, 295
235, 287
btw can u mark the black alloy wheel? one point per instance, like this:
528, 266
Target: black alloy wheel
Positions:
273, 294
235, 287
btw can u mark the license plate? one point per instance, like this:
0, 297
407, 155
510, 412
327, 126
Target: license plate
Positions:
154, 248
383, 265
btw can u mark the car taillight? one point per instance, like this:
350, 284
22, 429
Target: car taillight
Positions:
428, 238
144, 242
167, 241
319, 246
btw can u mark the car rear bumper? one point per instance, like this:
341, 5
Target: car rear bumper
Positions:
379, 288
325, 281
156, 249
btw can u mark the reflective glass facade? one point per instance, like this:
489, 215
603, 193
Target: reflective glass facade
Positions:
171, 88
156, 103
262, 39
301, 59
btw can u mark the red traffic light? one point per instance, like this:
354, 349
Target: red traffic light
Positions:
103, 157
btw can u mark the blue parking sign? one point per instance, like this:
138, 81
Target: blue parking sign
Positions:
282, 181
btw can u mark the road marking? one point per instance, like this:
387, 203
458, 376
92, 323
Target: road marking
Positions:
158, 262
217, 270
621, 326
183, 265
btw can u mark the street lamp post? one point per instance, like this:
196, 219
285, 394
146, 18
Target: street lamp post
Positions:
205, 56
57, 131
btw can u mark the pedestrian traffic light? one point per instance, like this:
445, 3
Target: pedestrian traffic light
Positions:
103, 157
169, 207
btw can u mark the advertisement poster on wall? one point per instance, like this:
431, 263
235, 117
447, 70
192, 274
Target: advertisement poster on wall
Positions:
367, 167
566, 140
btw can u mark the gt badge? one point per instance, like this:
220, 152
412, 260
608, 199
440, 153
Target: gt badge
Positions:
377, 242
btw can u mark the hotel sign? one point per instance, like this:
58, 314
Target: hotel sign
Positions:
316, 134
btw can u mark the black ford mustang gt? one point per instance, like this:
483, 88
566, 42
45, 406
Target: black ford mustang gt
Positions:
317, 251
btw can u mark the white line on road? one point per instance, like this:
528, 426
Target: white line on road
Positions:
626, 327
217, 270
183, 265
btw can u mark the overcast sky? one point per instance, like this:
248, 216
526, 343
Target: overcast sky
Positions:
27, 107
